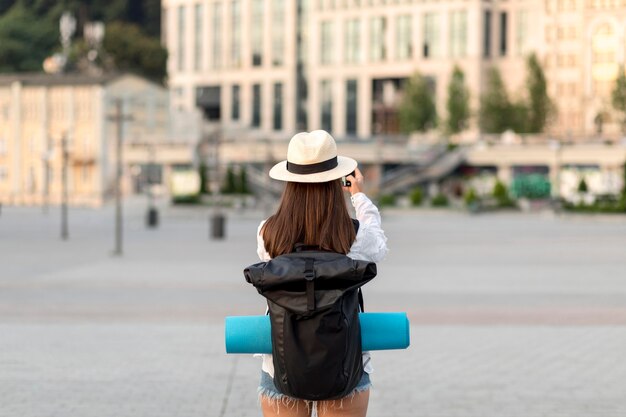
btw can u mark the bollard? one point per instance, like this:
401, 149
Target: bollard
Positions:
152, 217
218, 226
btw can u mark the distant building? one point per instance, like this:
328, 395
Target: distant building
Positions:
278, 66
38, 110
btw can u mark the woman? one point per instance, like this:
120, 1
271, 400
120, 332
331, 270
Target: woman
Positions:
313, 211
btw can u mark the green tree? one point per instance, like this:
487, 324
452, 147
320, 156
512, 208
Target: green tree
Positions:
203, 172
242, 185
25, 40
495, 107
132, 50
416, 196
230, 182
619, 97
417, 111
582, 186
458, 102
539, 106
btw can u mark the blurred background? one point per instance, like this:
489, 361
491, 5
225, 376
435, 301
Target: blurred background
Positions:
135, 140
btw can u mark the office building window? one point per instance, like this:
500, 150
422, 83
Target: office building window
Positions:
522, 32
353, 41
487, 34
404, 37
256, 32
181, 38
458, 34
326, 43
217, 35
377, 39
256, 105
351, 107
327, 106
431, 35
198, 36
278, 106
278, 32
503, 33
234, 104
235, 50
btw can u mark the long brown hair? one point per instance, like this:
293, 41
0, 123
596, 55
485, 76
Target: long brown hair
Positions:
312, 214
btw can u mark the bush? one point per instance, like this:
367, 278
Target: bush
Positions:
440, 200
387, 200
470, 197
416, 196
501, 194
582, 186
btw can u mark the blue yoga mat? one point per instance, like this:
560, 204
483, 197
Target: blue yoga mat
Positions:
379, 331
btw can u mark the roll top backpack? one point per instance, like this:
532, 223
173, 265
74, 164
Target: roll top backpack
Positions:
313, 300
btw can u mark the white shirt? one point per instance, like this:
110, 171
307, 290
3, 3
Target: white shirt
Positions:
370, 245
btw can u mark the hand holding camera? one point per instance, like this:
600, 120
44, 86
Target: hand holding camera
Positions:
352, 181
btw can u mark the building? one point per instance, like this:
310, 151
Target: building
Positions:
40, 114
279, 66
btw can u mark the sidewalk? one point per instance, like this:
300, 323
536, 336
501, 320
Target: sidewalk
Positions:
512, 315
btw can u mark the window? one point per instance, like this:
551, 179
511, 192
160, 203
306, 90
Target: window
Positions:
256, 32
351, 107
198, 36
353, 39
278, 106
458, 34
217, 35
181, 38
235, 50
4, 173
326, 106
487, 34
403, 37
431, 35
503, 33
377, 39
278, 32
326, 43
234, 104
256, 105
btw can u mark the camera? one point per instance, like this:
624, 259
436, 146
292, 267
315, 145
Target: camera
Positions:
345, 182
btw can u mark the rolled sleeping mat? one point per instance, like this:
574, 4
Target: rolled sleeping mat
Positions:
379, 331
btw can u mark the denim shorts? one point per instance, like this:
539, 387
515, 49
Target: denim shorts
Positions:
269, 390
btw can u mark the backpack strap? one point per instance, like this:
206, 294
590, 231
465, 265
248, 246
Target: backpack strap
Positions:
309, 276
356, 224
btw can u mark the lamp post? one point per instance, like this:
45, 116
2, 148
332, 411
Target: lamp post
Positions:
64, 195
152, 216
118, 118
218, 219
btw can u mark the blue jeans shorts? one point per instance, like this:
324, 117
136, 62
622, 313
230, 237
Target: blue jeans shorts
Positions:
269, 390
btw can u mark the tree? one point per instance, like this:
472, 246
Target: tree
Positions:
230, 182
619, 96
25, 40
133, 51
458, 102
417, 111
495, 107
540, 106
203, 172
242, 186
582, 186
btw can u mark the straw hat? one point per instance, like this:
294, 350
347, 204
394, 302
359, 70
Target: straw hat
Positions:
312, 157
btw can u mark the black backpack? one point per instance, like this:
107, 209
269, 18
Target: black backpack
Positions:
313, 298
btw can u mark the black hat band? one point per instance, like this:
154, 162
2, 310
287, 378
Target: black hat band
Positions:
312, 168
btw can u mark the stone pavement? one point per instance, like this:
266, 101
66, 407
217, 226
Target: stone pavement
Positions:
512, 315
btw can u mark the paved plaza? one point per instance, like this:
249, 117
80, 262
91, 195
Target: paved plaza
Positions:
512, 315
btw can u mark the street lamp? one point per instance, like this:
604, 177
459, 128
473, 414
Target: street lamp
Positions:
118, 118
152, 216
64, 194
